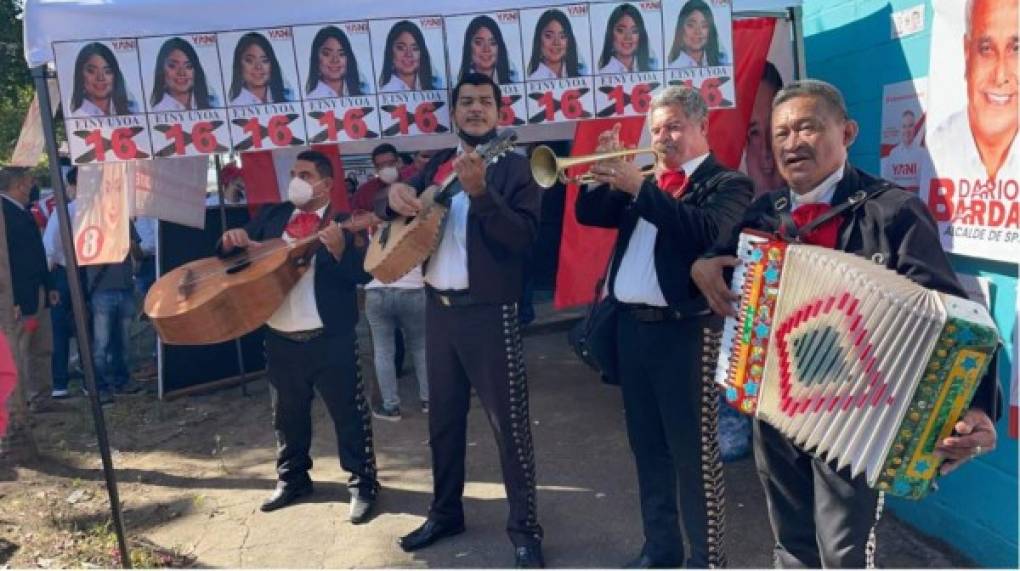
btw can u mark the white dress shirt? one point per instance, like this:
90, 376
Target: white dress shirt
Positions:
323, 91
955, 155
616, 66
545, 72
396, 84
447, 268
246, 97
684, 61
636, 280
168, 103
90, 109
299, 311
51, 238
821, 194
146, 228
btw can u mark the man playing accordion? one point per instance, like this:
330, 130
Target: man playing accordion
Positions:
820, 516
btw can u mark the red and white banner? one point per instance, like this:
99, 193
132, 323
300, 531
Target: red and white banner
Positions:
103, 214
903, 151
267, 173
584, 250
173, 191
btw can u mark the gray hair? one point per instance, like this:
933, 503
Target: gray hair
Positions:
688, 99
817, 89
10, 175
968, 15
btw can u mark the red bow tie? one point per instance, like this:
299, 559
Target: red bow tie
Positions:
673, 183
824, 235
303, 224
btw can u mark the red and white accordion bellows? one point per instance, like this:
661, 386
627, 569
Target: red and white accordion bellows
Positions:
855, 363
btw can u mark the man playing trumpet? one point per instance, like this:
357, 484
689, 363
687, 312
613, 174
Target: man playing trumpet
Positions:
665, 328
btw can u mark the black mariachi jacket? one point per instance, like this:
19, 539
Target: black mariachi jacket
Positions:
335, 281
502, 225
893, 228
713, 203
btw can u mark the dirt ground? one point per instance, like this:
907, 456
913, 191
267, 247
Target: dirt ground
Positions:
193, 471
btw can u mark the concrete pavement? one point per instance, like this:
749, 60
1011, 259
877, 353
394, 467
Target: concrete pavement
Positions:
588, 499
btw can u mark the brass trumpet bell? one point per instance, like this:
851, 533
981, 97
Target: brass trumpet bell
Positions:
547, 168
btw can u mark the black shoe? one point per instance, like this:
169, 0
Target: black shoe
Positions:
382, 412
529, 557
645, 562
362, 508
284, 495
430, 532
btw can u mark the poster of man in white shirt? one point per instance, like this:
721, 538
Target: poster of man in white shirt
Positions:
973, 185
904, 156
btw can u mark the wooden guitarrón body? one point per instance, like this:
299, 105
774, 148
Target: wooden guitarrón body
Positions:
217, 299
400, 245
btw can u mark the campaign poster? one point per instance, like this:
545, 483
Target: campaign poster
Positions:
102, 216
101, 91
903, 153
973, 187
558, 64
627, 37
490, 43
758, 161
261, 82
410, 74
335, 66
184, 95
699, 48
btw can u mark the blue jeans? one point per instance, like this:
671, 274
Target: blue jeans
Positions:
112, 313
387, 308
63, 329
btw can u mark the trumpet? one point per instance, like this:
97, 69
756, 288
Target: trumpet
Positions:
547, 168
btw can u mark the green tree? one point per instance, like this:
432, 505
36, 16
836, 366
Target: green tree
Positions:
15, 80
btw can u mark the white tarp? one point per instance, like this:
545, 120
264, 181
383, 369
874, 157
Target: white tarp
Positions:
47, 21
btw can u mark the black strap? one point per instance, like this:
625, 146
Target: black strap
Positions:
788, 230
94, 283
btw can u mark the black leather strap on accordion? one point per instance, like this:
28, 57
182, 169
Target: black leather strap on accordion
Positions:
788, 230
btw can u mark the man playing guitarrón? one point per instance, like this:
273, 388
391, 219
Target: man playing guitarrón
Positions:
474, 282
310, 340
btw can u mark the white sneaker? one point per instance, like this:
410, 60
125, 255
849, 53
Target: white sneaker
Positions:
60, 393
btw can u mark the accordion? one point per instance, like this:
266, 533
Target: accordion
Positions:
853, 362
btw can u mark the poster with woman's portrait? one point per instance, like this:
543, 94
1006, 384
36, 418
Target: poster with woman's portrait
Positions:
699, 48
490, 44
262, 86
335, 66
101, 91
410, 75
558, 63
627, 38
184, 95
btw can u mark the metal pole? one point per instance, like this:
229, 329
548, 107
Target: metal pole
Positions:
78, 300
223, 228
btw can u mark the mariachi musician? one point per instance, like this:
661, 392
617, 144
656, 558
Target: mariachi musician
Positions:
310, 340
666, 222
474, 282
820, 516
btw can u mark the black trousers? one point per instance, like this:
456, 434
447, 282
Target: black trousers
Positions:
672, 407
328, 364
480, 346
820, 517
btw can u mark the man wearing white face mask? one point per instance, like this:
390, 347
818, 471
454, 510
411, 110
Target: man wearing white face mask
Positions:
399, 305
310, 341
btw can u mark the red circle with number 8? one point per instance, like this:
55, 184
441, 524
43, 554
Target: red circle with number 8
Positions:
90, 243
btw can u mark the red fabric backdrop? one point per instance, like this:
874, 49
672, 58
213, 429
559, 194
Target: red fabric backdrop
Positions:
583, 250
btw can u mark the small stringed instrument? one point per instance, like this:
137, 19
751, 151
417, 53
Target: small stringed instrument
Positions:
402, 244
215, 299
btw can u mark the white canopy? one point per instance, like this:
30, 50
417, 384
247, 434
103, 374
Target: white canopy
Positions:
48, 21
